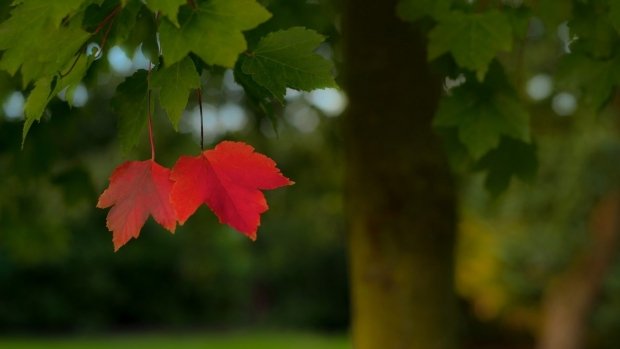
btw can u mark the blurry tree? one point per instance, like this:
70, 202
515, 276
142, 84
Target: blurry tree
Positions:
400, 191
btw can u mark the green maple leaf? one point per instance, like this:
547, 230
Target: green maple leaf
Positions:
213, 31
413, 10
473, 39
35, 104
286, 59
35, 39
175, 84
482, 117
47, 88
130, 103
170, 8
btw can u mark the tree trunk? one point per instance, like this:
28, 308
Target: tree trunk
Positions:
400, 196
571, 298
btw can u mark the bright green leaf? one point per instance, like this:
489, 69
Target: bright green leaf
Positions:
286, 59
473, 39
170, 8
483, 118
175, 84
130, 103
34, 41
413, 10
213, 31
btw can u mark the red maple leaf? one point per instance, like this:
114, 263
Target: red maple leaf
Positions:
229, 180
137, 189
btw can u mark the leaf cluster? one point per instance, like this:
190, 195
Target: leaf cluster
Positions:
486, 119
182, 39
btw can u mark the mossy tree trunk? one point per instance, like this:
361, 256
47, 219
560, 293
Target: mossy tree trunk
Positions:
400, 195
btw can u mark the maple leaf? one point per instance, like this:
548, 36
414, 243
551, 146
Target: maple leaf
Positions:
229, 180
137, 189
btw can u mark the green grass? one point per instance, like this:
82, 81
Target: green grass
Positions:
208, 341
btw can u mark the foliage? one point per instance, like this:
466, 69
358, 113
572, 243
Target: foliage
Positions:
185, 40
486, 43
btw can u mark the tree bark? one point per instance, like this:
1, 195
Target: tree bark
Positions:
400, 195
570, 300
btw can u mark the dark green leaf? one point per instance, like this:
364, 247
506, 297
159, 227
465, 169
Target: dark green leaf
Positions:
130, 103
175, 84
286, 59
595, 79
483, 114
473, 39
512, 158
595, 36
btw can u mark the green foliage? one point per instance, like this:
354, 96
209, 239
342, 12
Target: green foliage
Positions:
473, 39
169, 8
551, 12
614, 14
175, 84
194, 36
30, 38
512, 158
286, 59
45, 89
483, 113
594, 79
130, 103
213, 31
413, 10
593, 30
35, 105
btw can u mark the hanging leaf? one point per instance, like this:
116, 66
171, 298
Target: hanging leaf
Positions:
137, 189
130, 103
473, 39
229, 180
175, 84
287, 59
213, 31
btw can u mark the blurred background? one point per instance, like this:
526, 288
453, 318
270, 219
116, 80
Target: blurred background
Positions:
522, 255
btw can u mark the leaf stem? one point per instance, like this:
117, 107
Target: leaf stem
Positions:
202, 137
77, 57
109, 17
148, 112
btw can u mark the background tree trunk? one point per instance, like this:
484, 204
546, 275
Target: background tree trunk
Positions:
570, 300
400, 194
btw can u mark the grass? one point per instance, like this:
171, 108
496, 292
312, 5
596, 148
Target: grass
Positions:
195, 341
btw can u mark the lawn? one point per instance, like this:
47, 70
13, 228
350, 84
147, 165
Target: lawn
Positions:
195, 341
